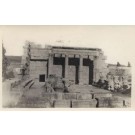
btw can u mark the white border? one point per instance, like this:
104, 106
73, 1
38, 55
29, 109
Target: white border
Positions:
67, 12
70, 12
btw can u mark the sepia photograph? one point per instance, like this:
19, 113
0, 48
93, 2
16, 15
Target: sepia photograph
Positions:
67, 66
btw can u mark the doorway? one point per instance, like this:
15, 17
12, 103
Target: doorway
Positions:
89, 63
75, 62
60, 61
42, 78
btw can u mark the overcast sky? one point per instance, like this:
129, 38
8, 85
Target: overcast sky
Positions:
117, 42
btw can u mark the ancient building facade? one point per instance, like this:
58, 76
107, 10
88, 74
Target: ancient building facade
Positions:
80, 65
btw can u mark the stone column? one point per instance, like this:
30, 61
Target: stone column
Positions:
81, 70
95, 70
50, 64
66, 66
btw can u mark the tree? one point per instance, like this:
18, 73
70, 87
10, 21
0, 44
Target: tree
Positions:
4, 63
118, 64
129, 65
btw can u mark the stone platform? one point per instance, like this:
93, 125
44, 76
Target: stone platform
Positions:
78, 97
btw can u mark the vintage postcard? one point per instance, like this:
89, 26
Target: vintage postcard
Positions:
80, 67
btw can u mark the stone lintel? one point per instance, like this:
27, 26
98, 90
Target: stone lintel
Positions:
77, 56
71, 56
76, 52
57, 55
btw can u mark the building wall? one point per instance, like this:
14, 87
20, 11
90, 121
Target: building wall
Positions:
57, 70
100, 67
40, 67
115, 70
37, 68
39, 53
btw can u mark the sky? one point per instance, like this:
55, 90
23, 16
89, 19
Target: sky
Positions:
117, 42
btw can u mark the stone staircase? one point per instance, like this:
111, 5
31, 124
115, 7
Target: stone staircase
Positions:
79, 96
72, 100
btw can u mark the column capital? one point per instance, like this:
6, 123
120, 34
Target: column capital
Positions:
66, 55
51, 54
63, 55
91, 57
81, 56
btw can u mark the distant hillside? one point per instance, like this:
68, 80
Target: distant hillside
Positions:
14, 59
14, 62
115, 65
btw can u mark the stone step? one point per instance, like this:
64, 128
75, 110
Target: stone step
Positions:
62, 104
53, 96
100, 95
110, 102
84, 96
34, 105
69, 96
103, 102
84, 103
73, 96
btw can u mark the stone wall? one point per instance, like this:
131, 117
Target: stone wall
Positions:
75, 100
100, 67
37, 68
39, 53
57, 70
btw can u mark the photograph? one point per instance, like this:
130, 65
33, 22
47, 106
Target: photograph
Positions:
67, 66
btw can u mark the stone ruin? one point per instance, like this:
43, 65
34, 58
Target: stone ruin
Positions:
53, 95
66, 75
